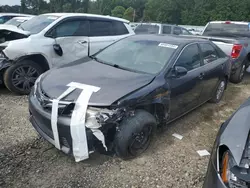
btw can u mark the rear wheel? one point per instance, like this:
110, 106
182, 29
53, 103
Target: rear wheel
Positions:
134, 135
238, 76
20, 77
217, 96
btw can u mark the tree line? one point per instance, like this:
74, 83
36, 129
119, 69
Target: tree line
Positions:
186, 12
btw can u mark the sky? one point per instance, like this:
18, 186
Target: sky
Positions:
10, 2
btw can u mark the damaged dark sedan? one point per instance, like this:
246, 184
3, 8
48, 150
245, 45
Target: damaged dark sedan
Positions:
230, 158
112, 101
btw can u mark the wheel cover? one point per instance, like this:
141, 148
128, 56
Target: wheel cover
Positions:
140, 141
220, 90
24, 77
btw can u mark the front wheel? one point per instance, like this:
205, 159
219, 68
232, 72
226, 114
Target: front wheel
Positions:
217, 96
134, 135
20, 77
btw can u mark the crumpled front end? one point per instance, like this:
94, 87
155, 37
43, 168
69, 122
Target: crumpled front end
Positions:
78, 133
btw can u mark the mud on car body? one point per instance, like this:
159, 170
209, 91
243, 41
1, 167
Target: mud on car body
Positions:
142, 82
230, 159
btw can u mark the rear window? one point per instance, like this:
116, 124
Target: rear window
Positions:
147, 29
225, 28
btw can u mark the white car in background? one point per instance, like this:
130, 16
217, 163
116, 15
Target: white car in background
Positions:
4, 17
52, 40
16, 21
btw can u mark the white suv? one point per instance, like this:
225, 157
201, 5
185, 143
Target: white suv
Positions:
51, 40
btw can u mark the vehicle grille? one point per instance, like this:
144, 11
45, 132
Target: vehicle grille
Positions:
64, 107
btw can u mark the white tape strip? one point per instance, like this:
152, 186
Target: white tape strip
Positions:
77, 123
54, 116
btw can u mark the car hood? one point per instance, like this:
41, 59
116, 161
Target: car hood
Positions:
114, 83
236, 132
12, 28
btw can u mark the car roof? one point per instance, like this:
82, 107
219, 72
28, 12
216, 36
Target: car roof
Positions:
233, 22
173, 39
152, 23
14, 14
87, 15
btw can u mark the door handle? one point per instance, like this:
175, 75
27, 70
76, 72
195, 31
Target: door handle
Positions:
201, 76
82, 41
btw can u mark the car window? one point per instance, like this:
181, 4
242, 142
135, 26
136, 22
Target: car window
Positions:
189, 58
177, 31
185, 32
208, 52
4, 19
119, 28
166, 30
72, 28
100, 28
147, 29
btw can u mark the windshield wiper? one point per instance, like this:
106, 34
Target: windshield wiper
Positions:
19, 26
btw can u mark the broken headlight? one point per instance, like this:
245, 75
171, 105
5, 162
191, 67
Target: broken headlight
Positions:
229, 178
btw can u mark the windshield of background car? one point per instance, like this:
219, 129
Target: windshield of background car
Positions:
220, 29
38, 23
15, 22
147, 29
147, 56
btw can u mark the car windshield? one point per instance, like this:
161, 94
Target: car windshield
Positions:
147, 29
15, 21
38, 23
226, 29
147, 56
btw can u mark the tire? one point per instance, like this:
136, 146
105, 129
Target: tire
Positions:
133, 130
238, 76
20, 77
219, 92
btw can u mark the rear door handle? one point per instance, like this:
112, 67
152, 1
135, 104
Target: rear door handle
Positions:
201, 76
82, 41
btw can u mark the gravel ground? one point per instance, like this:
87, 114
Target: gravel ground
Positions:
27, 161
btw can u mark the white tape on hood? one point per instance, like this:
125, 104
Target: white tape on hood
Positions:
77, 123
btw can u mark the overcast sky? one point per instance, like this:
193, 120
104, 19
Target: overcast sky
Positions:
10, 2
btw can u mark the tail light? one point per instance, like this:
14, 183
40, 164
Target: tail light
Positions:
236, 50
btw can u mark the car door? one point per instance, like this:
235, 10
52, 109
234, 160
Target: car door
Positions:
72, 36
186, 89
212, 68
104, 32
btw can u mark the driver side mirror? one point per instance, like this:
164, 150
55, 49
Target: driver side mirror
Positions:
180, 71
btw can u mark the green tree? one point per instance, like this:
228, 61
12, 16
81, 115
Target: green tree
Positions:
118, 11
80, 10
129, 14
67, 7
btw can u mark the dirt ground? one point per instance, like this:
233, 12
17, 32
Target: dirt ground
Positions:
27, 161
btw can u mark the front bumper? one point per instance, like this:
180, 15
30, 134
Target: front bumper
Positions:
41, 121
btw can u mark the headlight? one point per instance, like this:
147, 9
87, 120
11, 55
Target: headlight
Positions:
229, 178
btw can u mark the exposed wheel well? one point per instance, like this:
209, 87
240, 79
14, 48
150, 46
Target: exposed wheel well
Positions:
158, 110
39, 59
